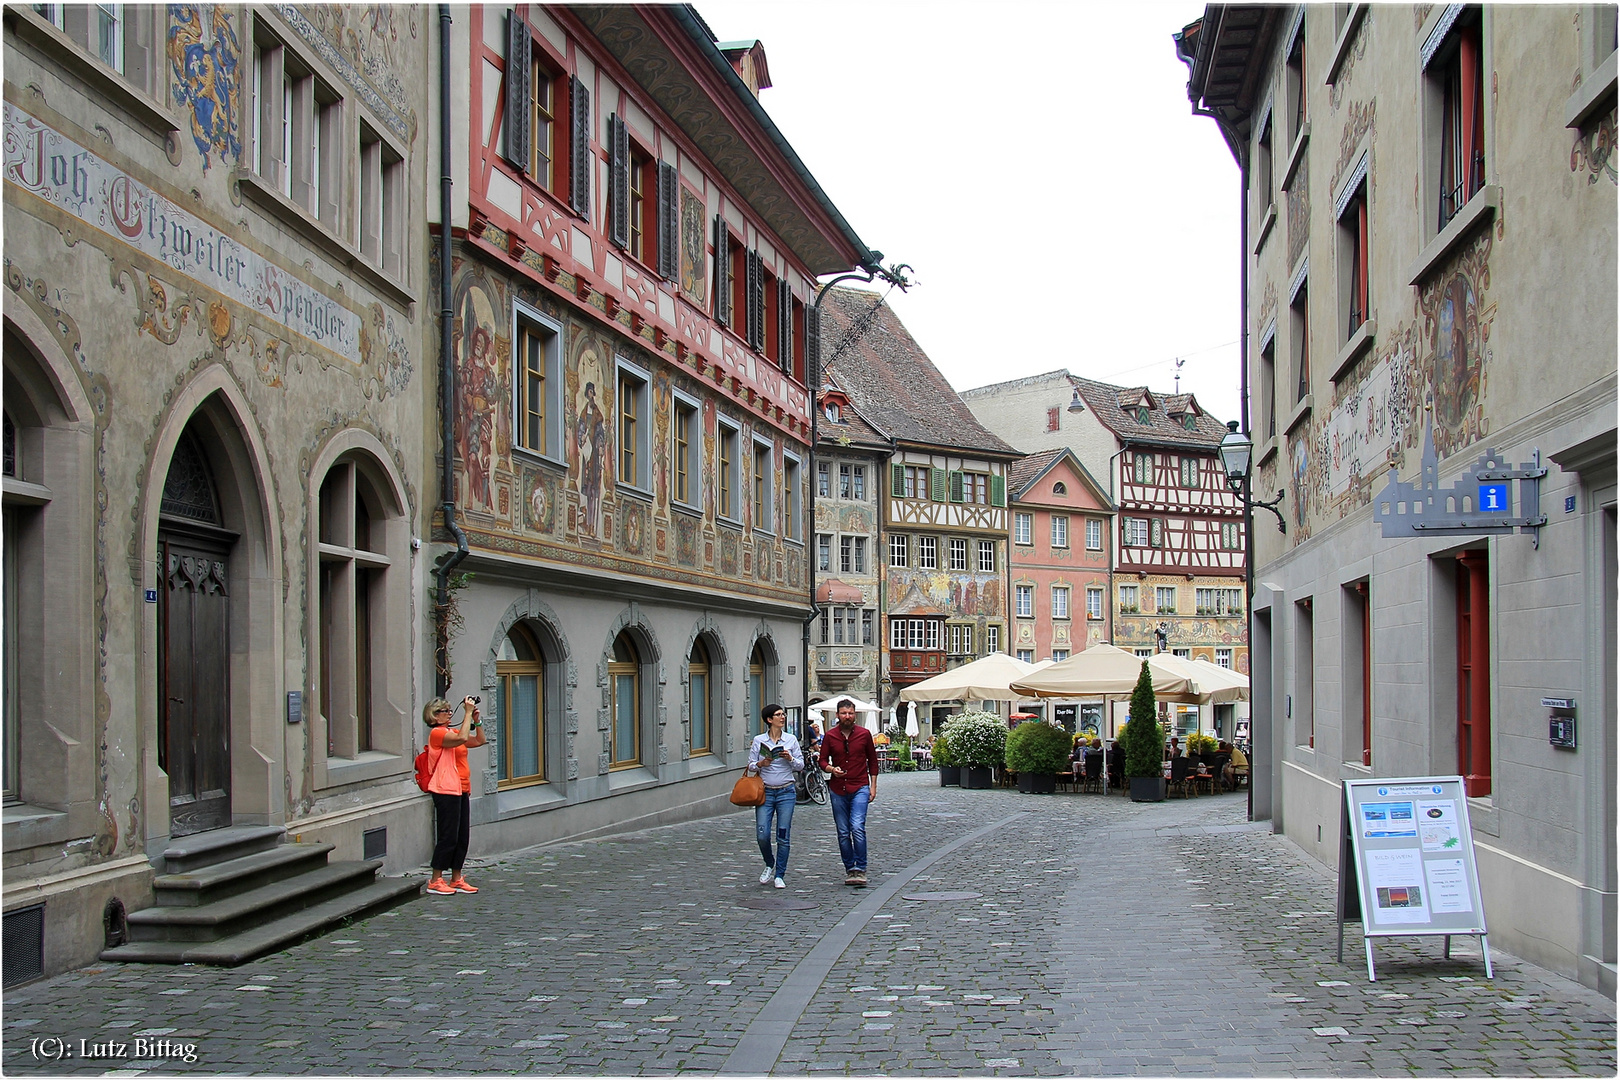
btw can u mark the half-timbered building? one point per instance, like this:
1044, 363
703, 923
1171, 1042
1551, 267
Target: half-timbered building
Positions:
944, 495
633, 262
1178, 541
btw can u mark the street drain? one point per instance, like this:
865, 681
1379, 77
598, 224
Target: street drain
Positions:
771, 903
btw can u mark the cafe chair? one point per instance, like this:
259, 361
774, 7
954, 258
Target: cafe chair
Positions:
1180, 767
1093, 777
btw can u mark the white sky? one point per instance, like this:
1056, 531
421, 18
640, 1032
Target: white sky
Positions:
1037, 164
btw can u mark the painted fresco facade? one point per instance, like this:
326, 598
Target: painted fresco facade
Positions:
632, 444
1177, 545
214, 458
1431, 225
846, 638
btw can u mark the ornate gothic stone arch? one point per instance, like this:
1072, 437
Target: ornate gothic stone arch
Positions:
719, 669
632, 619
530, 608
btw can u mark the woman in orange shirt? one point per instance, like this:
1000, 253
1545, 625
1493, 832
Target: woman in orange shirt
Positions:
450, 783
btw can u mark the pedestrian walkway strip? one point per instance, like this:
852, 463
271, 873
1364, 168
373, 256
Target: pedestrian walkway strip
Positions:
756, 1052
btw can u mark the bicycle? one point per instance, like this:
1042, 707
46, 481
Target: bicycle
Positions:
815, 783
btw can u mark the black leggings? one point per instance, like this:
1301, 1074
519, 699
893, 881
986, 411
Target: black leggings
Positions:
453, 816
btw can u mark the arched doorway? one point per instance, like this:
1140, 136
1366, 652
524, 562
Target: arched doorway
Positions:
194, 622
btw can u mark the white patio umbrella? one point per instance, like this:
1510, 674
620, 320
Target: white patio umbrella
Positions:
1223, 684
869, 713
1103, 670
984, 679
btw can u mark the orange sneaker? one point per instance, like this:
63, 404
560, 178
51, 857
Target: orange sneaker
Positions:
440, 887
460, 885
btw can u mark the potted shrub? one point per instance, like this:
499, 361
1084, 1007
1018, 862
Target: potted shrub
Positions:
1037, 751
978, 741
1143, 740
950, 773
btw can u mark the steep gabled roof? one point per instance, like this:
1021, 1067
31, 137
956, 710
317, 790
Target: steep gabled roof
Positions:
1023, 474
869, 354
1165, 423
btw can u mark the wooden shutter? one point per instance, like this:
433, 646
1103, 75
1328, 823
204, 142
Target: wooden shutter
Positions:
579, 148
812, 346
1156, 531
519, 70
722, 254
669, 224
618, 182
898, 475
755, 296
937, 485
956, 486
998, 490
784, 325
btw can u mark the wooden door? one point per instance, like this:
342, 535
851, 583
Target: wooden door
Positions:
194, 681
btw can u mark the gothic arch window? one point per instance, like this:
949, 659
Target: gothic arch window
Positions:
361, 581
520, 681
700, 700
762, 681
624, 694
188, 491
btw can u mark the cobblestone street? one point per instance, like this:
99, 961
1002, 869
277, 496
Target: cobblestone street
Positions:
1100, 937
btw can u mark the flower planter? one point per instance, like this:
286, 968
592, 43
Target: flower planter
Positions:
950, 775
974, 776
1147, 789
1037, 783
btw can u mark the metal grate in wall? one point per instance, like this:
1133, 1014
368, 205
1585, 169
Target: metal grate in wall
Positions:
23, 945
374, 843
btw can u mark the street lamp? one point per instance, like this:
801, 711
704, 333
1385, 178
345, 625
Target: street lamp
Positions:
1235, 451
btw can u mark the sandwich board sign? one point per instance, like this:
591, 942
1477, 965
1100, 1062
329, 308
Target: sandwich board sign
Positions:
1406, 862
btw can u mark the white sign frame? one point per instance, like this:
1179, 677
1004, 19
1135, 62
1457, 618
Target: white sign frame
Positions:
1408, 848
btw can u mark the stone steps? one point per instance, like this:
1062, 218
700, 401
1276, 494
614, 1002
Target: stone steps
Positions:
231, 895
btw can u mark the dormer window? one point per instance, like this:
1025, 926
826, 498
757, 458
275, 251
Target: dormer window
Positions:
833, 412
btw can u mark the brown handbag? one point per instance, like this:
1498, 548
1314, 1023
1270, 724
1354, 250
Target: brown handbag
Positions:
748, 791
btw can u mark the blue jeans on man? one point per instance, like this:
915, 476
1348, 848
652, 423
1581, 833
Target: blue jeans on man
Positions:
778, 802
849, 818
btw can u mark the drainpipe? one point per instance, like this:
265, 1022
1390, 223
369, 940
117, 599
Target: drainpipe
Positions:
447, 379
871, 269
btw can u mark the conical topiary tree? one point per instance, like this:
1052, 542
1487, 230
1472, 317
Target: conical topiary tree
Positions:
1143, 737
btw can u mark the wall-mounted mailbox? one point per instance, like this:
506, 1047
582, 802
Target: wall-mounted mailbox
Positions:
1560, 721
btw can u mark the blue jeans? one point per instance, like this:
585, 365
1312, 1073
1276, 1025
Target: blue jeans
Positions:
780, 802
849, 818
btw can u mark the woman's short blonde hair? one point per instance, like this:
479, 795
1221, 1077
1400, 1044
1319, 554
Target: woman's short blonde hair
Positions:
433, 707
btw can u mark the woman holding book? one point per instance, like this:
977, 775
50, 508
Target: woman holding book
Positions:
775, 755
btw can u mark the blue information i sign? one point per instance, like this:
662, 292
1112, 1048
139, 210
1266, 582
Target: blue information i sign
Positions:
1493, 498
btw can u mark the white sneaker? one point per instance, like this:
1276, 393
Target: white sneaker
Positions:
766, 874
780, 884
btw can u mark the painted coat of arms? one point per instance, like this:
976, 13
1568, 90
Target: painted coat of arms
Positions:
205, 57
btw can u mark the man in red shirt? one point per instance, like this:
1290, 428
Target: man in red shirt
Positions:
849, 753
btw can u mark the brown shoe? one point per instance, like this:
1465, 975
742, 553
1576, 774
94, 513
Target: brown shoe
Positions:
857, 878
851, 878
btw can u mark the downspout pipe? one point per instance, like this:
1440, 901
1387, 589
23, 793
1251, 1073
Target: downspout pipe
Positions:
447, 379
870, 271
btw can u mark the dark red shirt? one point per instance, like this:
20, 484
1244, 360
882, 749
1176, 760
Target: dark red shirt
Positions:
857, 756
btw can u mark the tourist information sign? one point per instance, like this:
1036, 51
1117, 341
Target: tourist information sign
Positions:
1406, 862
1478, 503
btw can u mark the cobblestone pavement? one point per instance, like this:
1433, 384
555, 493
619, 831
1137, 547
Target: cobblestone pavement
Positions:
1102, 937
